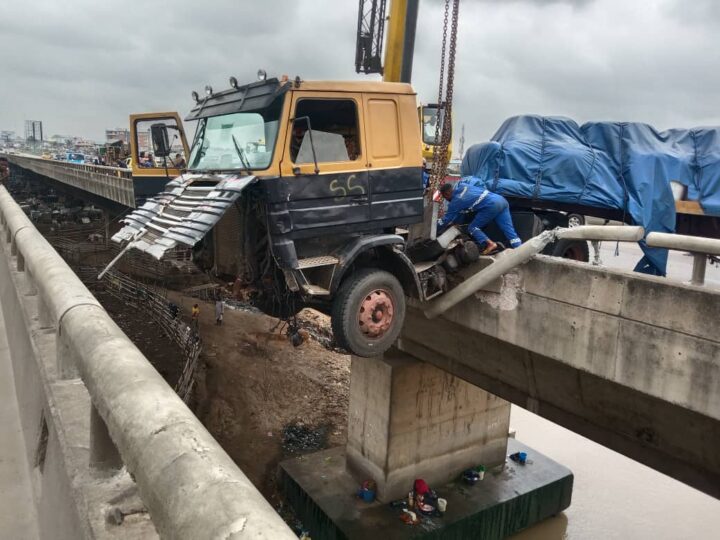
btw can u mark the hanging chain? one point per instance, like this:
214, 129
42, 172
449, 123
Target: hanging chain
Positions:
445, 97
434, 172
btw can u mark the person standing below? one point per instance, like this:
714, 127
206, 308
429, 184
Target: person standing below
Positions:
195, 317
219, 310
478, 206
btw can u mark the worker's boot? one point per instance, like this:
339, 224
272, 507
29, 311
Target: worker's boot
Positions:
490, 248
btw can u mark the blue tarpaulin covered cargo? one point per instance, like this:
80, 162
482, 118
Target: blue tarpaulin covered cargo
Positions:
617, 165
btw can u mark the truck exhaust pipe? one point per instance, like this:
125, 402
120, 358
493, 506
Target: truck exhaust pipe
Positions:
511, 258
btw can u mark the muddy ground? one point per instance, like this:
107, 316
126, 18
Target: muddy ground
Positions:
261, 398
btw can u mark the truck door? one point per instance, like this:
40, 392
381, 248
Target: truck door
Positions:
150, 173
327, 129
395, 174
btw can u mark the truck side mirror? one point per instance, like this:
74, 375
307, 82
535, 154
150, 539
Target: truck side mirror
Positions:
160, 140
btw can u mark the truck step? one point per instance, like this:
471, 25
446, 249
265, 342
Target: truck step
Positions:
315, 290
312, 262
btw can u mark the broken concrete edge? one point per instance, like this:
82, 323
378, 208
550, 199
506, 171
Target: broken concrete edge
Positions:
191, 487
616, 324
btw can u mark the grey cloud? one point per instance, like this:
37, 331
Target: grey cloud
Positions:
82, 66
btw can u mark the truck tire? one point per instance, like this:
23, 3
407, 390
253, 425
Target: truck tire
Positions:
576, 250
575, 220
368, 312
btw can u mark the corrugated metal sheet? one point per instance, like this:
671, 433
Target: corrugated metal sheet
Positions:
182, 214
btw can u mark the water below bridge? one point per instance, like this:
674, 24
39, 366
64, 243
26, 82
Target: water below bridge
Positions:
614, 497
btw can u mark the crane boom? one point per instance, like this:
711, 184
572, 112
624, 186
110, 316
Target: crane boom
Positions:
400, 44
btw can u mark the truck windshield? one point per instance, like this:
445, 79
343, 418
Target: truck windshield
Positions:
236, 141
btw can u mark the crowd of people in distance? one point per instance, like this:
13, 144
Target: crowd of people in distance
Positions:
146, 160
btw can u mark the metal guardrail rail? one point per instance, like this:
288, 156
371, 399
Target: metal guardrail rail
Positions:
109, 182
191, 487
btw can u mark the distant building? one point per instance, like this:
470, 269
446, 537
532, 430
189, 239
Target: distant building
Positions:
117, 134
33, 131
60, 139
143, 139
7, 136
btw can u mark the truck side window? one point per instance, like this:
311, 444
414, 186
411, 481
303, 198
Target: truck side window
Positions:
143, 143
335, 133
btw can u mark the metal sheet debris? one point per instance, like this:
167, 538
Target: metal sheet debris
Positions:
182, 214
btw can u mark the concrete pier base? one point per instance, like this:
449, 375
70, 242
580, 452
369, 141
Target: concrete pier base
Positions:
408, 419
514, 497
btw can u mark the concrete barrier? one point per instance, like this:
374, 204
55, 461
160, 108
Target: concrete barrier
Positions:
190, 486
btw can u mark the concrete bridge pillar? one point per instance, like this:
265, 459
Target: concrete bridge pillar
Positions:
409, 419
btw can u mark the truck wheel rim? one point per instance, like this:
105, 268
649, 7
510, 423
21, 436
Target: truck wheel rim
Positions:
376, 313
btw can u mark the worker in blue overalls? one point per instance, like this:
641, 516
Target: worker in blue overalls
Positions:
470, 202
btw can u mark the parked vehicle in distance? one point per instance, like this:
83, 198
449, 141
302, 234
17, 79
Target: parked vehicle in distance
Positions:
74, 157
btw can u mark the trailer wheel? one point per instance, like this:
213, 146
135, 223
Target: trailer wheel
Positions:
368, 312
576, 250
575, 220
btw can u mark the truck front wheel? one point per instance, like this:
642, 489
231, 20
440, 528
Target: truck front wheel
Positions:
368, 312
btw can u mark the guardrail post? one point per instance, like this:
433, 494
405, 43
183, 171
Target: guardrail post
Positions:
30, 289
104, 455
699, 267
20, 262
65, 359
45, 317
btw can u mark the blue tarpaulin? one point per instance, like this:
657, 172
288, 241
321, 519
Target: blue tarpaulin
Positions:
618, 165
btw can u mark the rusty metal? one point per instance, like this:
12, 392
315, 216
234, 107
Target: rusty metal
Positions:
376, 313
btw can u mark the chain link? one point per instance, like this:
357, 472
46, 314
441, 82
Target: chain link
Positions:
445, 98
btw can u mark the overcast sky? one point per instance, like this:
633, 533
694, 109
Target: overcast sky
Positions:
82, 66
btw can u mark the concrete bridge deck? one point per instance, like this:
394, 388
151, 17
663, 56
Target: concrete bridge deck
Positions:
111, 183
627, 360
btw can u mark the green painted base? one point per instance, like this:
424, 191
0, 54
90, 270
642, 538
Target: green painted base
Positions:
322, 493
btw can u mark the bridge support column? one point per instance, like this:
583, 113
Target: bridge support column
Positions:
409, 419
104, 455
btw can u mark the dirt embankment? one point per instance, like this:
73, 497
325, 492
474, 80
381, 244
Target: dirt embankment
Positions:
263, 399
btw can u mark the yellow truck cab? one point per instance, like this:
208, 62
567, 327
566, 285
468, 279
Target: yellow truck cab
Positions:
313, 179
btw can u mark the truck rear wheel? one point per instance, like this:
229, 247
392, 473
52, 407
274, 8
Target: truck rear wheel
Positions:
368, 312
576, 250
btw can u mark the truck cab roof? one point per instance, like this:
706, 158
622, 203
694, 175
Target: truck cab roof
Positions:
259, 95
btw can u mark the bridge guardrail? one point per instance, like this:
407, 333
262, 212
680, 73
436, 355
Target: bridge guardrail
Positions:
110, 182
698, 246
191, 487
